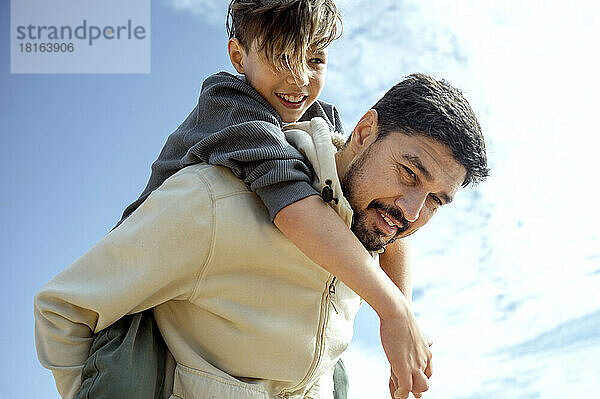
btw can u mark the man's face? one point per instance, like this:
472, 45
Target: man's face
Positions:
396, 184
290, 97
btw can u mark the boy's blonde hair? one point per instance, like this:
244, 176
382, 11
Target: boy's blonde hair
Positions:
287, 31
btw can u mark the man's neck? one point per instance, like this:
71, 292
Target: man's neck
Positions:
342, 161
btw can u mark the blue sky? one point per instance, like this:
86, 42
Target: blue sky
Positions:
76, 150
506, 279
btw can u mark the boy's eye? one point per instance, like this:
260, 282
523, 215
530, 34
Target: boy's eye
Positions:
316, 61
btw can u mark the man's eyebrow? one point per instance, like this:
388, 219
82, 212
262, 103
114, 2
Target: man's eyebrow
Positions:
416, 161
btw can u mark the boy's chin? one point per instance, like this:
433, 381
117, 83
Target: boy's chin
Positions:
291, 116
288, 118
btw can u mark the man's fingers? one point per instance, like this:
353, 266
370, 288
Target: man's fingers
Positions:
420, 383
393, 383
403, 384
429, 369
400, 394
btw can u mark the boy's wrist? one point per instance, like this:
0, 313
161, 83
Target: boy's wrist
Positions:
392, 304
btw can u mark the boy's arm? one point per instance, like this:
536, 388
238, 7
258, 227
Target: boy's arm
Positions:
395, 262
235, 127
154, 256
322, 235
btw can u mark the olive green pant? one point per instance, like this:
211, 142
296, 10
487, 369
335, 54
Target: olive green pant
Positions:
127, 361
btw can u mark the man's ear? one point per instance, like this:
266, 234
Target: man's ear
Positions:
236, 54
365, 131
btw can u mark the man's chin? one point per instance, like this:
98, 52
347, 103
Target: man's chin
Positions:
371, 241
406, 233
374, 242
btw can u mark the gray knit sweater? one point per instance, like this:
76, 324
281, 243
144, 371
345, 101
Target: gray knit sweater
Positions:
235, 127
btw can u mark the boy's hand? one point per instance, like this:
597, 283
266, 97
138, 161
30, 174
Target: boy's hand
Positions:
394, 381
408, 352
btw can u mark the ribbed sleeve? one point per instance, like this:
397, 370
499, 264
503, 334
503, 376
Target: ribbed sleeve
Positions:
235, 127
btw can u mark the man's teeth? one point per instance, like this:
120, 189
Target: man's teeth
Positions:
291, 99
387, 220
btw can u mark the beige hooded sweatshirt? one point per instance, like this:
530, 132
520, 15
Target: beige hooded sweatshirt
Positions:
244, 313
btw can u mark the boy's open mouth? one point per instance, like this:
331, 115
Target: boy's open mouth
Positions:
291, 100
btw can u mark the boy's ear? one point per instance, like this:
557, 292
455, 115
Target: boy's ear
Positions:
236, 54
365, 132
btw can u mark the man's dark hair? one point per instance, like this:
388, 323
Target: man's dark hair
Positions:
422, 105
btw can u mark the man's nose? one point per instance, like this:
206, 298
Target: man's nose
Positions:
411, 205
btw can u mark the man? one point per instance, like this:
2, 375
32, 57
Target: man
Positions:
244, 313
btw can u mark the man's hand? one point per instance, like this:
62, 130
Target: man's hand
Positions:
408, 352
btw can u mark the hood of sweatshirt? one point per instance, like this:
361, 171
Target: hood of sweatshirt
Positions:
319, 145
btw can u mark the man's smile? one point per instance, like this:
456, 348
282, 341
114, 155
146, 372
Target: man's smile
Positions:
390, 219
388, 225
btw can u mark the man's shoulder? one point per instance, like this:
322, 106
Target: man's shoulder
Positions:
326, 111
219, 181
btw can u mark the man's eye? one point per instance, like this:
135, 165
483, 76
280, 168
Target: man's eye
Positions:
436, 199
316, 61
410, 172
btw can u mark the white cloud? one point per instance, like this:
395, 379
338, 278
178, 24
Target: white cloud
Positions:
380, 45
368, 372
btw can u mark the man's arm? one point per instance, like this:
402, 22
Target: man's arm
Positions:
154, 256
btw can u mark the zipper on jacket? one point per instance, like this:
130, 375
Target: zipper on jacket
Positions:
332, 295
323, 318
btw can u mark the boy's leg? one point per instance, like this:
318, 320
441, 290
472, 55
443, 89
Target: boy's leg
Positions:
127, 360
340, 381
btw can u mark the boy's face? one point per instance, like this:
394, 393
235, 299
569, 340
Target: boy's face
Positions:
290, 97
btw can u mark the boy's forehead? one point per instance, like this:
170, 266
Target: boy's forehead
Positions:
256, 47
319, 52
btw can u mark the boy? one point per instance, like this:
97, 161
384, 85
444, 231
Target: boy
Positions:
238, 124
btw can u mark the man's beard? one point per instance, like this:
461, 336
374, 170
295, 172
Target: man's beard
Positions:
372, 239
375, 239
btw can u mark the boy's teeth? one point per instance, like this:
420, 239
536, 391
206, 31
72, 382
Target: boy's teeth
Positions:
291, 99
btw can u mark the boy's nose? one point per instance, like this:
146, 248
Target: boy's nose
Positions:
411, 205
301, 80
